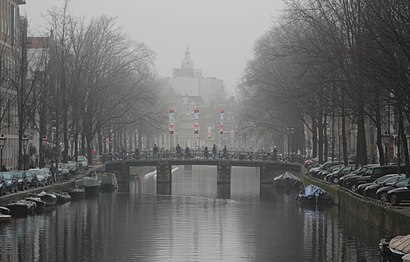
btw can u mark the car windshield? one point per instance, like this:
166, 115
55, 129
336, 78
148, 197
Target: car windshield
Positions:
29, 174
383, 179
402, 182
81, 158
18, 175
37, 172
7, 175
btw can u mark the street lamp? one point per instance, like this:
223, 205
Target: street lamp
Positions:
290, 131
2, 144
25, 143
44, 144
385, 141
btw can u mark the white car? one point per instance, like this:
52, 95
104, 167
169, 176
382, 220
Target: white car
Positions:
82, 162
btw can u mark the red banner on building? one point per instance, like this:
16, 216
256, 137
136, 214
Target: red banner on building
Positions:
221, 121
171, 121
196, 121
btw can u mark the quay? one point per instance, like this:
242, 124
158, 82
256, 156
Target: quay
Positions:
391, 220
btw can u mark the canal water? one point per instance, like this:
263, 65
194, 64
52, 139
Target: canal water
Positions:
191, 225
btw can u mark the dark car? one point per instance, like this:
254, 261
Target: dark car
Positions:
398, 195
371, 189
356, 172
22, 183
335, 176
10, 182
371, 174
332, 169
382, 192
315, 170
43, 176
2, 186
32, 179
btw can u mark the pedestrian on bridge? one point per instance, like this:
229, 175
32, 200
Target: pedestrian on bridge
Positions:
206, 152
155, 151
214, 151
187, 152
225, 153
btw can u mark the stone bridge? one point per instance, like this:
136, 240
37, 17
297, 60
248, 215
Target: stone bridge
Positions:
267, 170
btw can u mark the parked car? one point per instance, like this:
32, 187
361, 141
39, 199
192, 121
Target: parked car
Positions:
382, 193
315, 170
398, 195
332, 169
335, 176
49, 175
72, 167
63, 172
32, 179
2, 186
371, 174
43, 176
371, 189
82, 162
22, 183
10, 182
356, 172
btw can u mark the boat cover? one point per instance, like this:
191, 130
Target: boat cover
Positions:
312, 191
400, 244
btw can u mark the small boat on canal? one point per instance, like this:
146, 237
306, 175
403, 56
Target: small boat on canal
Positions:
108, 182
89, 184
62, 197
395, 248
49, 198
4, 211
76, 193
287, 181
21, 208
40, 204
314, 195
4, 215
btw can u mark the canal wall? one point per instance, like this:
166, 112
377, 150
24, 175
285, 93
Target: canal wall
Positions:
388, 219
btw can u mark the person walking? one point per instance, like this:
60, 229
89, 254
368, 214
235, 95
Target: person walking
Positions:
225, 153
214, 151
206, 152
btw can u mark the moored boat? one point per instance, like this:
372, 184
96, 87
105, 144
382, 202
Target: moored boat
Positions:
21, 208
89, 184
4, 218
62, 197
288, 181
40, 204
314, 195
4, 211
396, 247
49, 198
109, 182
76, 193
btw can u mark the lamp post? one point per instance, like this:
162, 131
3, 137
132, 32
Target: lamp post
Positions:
290, 131
2, 144
25, 143
44, 146
385, 141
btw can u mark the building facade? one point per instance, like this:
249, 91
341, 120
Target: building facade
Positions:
12, 29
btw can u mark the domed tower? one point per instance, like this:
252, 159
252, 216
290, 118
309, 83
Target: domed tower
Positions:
187, 68
187, 63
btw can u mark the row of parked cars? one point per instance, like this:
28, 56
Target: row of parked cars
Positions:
374, 181
16, 180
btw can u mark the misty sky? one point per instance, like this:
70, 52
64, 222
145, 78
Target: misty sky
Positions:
219, 33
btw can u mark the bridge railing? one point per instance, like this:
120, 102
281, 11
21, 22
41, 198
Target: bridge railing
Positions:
200, 154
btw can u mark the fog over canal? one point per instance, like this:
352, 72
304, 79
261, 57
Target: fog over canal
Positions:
190, 225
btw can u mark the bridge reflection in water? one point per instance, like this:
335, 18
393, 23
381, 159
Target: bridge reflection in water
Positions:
267, 171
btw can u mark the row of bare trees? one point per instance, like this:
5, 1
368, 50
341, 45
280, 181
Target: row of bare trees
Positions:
89, 83
330, 63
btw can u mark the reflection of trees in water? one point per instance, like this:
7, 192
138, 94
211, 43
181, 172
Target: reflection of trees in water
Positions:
326, 236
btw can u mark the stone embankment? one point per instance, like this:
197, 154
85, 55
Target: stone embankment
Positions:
394, 220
